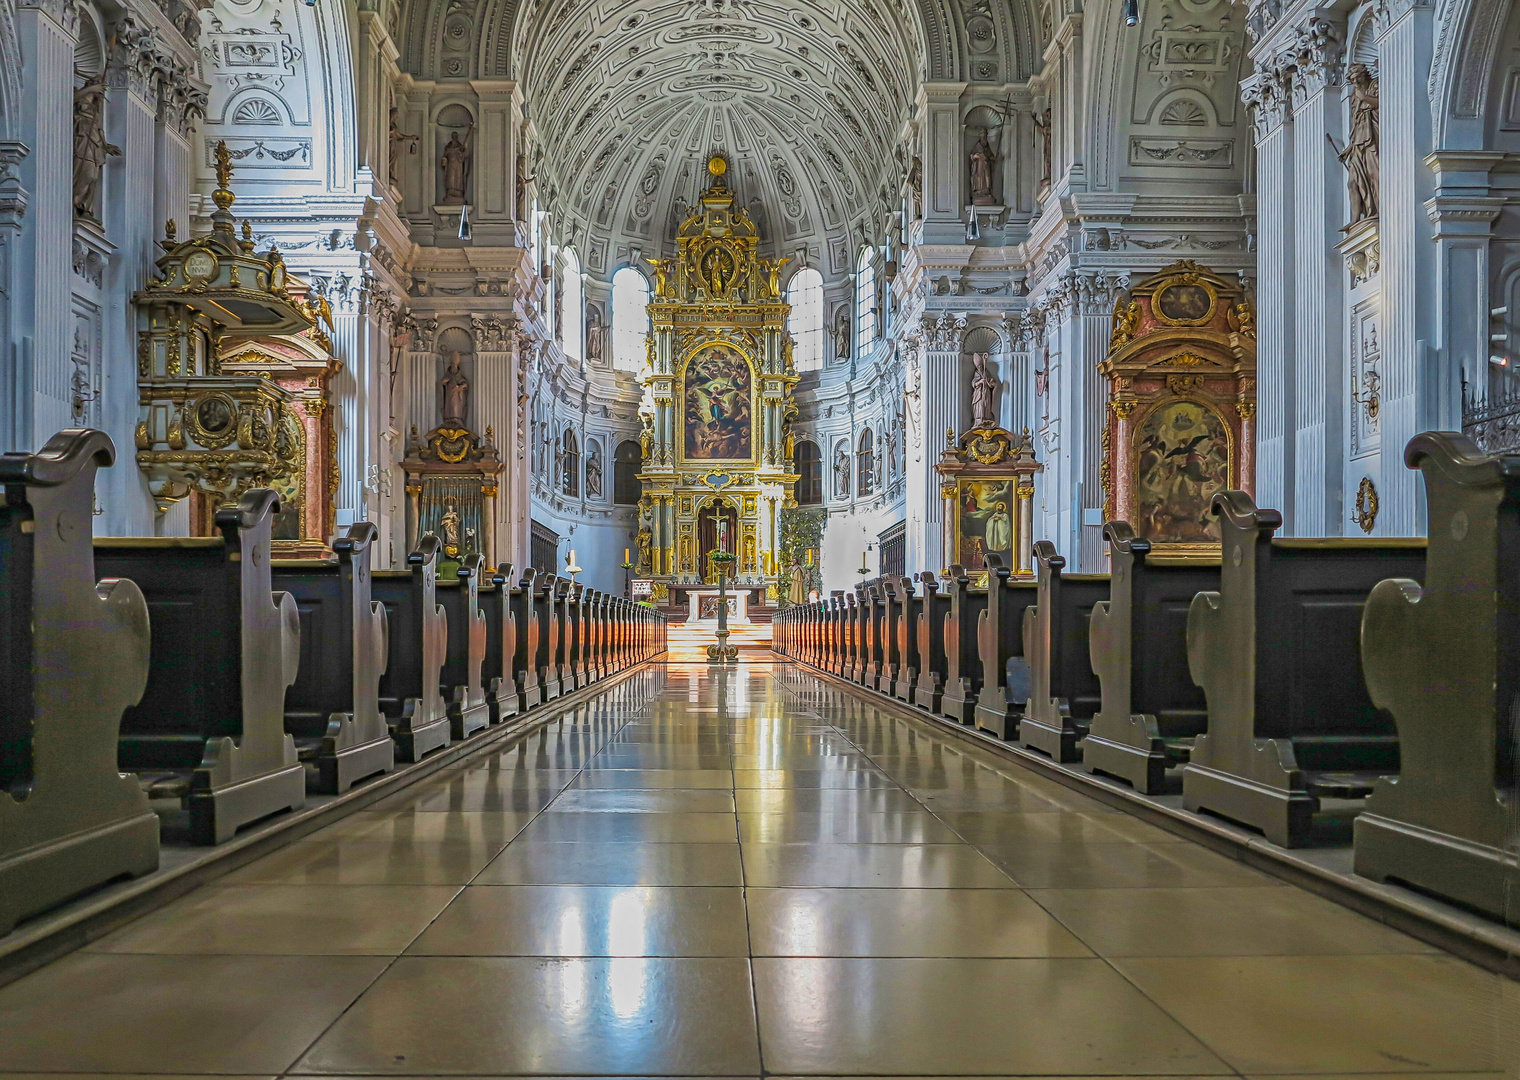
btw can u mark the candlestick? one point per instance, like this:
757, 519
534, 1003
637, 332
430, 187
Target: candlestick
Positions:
810, 556
625, 554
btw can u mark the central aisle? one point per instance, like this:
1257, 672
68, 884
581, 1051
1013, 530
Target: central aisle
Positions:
714, 875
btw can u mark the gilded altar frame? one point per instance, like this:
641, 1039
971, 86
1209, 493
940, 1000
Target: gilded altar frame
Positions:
983, 456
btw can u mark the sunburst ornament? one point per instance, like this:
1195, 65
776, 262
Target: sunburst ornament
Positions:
716, 165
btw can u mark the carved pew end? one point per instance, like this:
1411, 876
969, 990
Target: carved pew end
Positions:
342, 759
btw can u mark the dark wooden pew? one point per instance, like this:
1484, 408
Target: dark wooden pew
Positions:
963, 663
75, 656
463, 688
575, 618
332, 710
526, 612
906, 654
549, 635
929, 614
1063, 691
1444, 659
596, 625
210, 729
497, 674
1277, 653
410, 693
886, 635
1151, 709
1000, 638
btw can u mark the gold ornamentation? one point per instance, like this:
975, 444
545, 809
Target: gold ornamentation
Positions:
1122, 409
1126, 322
1183, 385
1246, 409
451, 444
1366, 512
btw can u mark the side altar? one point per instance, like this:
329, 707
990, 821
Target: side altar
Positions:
717, 410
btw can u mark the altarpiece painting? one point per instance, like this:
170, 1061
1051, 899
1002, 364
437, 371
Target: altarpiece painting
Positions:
716, 416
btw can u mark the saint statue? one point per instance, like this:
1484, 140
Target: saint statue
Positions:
398, 140
841, 472
593, 470
1042, 130
523, 180
916, 185
449, 523
455, 162
982, 161
595, 334
645, 542
1361, 154
90, 146
842, 335
983, 389
796, 592
646, 437
999, 529
454, 393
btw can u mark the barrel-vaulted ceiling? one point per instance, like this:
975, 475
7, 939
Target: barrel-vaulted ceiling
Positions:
807, 98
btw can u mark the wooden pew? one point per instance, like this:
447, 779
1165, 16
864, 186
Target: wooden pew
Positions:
464, 691
210, 729
963, 664
901, 590
1445, 661
596, 625
1277, 653
1063, 691
849, 660
564, 596
929, 615
1151, 709
873, 640
76, 655
332, 710
886, 635
497, 674
525, 612
575, 609
410, 693
1000, 637
549, 634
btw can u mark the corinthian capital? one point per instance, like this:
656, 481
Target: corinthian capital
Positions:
1316, 56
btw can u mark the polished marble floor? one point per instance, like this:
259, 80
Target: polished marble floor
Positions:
699, 875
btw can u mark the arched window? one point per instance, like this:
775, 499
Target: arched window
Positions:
626, 463
571, 333
805, 294
630, 319
865, 303
809, 463
570, 469
865, 464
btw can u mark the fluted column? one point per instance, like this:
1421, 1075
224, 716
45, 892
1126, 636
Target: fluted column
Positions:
1412, 371
1267, 94
939, 408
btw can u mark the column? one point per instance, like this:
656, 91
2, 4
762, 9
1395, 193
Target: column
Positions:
1266, 93
495, 405
1413, 374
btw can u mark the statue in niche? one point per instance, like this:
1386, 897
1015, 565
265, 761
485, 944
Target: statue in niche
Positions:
449, 523
646, 437
398, 141
1042, 130
916, 184
90, 146
842, 335
983, 391
455, 161
523, 180
1361, 154
593, 470
982, 160
596, 334
644, 542
841, 472
454, 393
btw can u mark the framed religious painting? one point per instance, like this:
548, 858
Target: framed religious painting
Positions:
1182, 457
984, 513
717, 414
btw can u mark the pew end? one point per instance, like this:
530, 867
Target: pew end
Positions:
1063, 692
411, 690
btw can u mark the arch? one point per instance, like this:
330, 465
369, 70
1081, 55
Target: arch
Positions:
865, 463
805, 295
627, 461
807, 461
630, 319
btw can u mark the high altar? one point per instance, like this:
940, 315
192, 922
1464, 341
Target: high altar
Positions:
717, 409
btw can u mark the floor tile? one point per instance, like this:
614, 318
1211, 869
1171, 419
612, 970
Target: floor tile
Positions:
717, 779
483, 827
868, 866
580, 920
1346, 1013
773, 779
365, 862
1121, 866
965, 1017
613, 828
308, 920
529, 863
823, 800
644, 801
1271, 921
537, 1016
159, 1014
1064, 827
904, 922
844, 828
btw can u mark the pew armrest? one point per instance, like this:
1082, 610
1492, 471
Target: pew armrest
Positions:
1203, 617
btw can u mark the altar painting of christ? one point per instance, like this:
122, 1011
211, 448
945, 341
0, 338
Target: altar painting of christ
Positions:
717, 406
1182, 457
985, 522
